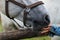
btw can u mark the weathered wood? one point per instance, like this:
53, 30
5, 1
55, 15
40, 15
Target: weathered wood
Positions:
18, 34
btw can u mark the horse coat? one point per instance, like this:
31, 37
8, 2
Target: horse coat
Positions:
38, 14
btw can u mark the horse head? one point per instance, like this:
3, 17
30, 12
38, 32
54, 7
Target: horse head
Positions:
30, 13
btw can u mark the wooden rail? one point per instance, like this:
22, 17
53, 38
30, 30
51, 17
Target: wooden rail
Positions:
18, 34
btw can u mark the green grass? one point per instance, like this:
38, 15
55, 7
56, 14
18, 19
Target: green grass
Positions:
0, 27
35, 38
39, 38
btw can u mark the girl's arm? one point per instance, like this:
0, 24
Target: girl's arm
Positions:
55, 29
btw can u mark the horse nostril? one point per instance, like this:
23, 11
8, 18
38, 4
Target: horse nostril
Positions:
47, 19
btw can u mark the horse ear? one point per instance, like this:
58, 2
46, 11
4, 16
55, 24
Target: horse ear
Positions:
35, 4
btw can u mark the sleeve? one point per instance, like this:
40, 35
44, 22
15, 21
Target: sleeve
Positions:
55, 30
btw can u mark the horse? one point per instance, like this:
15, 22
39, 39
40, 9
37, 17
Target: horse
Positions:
18, 14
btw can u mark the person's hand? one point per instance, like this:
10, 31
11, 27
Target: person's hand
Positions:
45, 30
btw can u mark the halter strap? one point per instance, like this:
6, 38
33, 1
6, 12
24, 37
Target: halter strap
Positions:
35, 4
22, 6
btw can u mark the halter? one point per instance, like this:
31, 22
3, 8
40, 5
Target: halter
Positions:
26, 11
